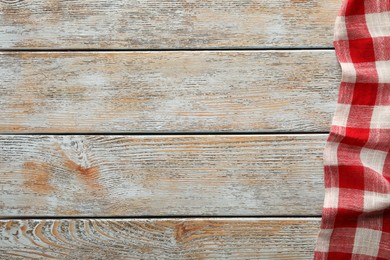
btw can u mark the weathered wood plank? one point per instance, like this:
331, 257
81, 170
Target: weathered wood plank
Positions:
167, 24
221, 175
179, 91
237, 238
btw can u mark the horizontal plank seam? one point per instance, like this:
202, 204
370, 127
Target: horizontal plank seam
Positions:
167, 50
163, 133
273, 217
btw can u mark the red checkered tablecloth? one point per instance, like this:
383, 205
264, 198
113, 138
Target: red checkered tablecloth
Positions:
356, 213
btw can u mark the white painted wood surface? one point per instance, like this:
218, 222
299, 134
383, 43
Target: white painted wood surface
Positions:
232, 238
211, 175
155, 24
207, 91
129, 67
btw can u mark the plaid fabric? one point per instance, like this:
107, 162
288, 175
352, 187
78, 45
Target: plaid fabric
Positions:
356, 213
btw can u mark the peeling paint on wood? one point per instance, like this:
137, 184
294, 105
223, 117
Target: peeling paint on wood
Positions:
209, 238
39, 174
215, 91
46, 175
167, 24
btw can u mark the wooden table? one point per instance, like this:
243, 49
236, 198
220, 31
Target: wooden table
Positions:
164, 129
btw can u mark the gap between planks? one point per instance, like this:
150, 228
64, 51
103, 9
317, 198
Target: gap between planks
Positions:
102, 50
163, 49
169, 133
165, 217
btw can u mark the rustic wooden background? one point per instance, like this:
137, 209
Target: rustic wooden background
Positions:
164, 129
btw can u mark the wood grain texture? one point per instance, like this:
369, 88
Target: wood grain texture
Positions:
235, 175
248, 238
179, 91
167, 24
